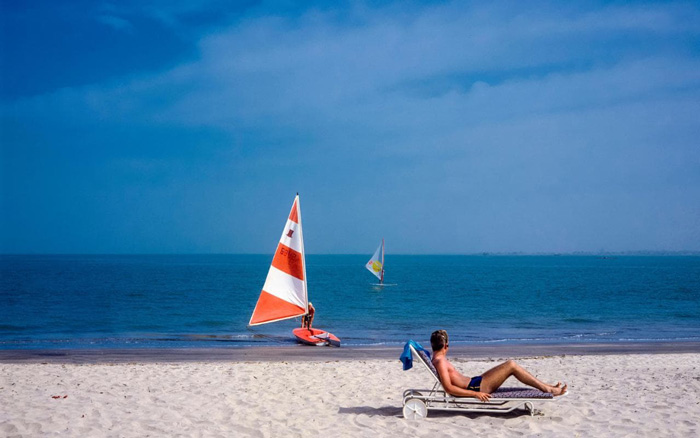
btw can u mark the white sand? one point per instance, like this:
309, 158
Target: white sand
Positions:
614, 395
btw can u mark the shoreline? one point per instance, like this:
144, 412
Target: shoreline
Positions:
300, 353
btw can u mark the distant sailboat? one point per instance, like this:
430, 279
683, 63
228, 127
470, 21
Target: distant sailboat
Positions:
375, 265
284, 294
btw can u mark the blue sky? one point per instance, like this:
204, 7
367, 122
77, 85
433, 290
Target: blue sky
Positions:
443, 127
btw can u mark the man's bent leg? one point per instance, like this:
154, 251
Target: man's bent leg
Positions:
492, 379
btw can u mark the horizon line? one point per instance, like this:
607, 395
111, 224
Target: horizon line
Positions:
471, 254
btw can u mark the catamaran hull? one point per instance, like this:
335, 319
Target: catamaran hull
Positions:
316, 337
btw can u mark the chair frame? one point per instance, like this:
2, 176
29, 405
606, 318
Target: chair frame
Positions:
418, 402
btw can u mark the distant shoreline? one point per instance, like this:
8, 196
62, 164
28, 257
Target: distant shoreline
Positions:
300, 353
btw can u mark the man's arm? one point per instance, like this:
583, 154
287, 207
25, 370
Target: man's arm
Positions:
452, 387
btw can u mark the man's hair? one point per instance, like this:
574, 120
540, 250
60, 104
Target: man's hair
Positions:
438, 340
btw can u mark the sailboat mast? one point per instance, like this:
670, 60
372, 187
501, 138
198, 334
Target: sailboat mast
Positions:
303, 256
381, 280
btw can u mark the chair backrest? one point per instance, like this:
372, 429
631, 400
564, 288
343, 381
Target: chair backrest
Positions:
425, 360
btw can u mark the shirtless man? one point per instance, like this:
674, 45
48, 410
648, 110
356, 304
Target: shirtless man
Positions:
308, 319
482, 386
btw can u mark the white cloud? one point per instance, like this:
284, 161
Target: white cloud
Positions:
117, 23
274, 69
287, 69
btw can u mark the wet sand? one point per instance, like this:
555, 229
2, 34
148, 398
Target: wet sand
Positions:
307, 353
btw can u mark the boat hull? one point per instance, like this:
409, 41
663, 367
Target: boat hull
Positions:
316, 337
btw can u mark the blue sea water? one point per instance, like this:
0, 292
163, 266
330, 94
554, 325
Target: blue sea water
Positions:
186, 301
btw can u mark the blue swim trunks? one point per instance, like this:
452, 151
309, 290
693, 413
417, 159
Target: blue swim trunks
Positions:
475, 384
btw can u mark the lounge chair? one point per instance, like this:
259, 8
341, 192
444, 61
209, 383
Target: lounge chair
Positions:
417, 402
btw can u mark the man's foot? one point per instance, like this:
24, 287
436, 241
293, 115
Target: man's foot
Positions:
557, 389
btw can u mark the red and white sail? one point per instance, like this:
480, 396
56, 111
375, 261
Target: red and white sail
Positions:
284, 293
375, 265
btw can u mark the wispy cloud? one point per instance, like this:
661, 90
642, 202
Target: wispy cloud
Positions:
117, 23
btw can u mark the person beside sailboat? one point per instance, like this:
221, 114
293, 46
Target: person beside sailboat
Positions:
308, 319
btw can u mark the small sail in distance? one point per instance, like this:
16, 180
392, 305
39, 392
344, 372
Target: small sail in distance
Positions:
375, 265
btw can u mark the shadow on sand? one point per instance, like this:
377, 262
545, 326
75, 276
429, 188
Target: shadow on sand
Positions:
385, 411
394, 411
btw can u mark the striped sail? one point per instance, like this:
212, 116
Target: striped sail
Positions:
375, 265
284, 293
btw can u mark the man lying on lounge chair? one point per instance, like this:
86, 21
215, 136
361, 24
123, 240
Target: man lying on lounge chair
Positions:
482, 386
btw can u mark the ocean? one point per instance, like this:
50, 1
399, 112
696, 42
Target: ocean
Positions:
191, 301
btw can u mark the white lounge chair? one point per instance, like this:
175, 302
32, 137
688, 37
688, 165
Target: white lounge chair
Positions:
417, 402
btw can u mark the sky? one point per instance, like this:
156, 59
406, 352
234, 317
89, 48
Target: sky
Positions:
442, 127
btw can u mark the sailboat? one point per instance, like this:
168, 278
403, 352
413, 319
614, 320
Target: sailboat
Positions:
284, 294
375, 265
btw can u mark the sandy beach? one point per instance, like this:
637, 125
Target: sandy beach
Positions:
648, 393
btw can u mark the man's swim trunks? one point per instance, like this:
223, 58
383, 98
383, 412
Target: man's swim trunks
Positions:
475, 384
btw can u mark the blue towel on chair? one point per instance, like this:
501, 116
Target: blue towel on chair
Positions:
406, 356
